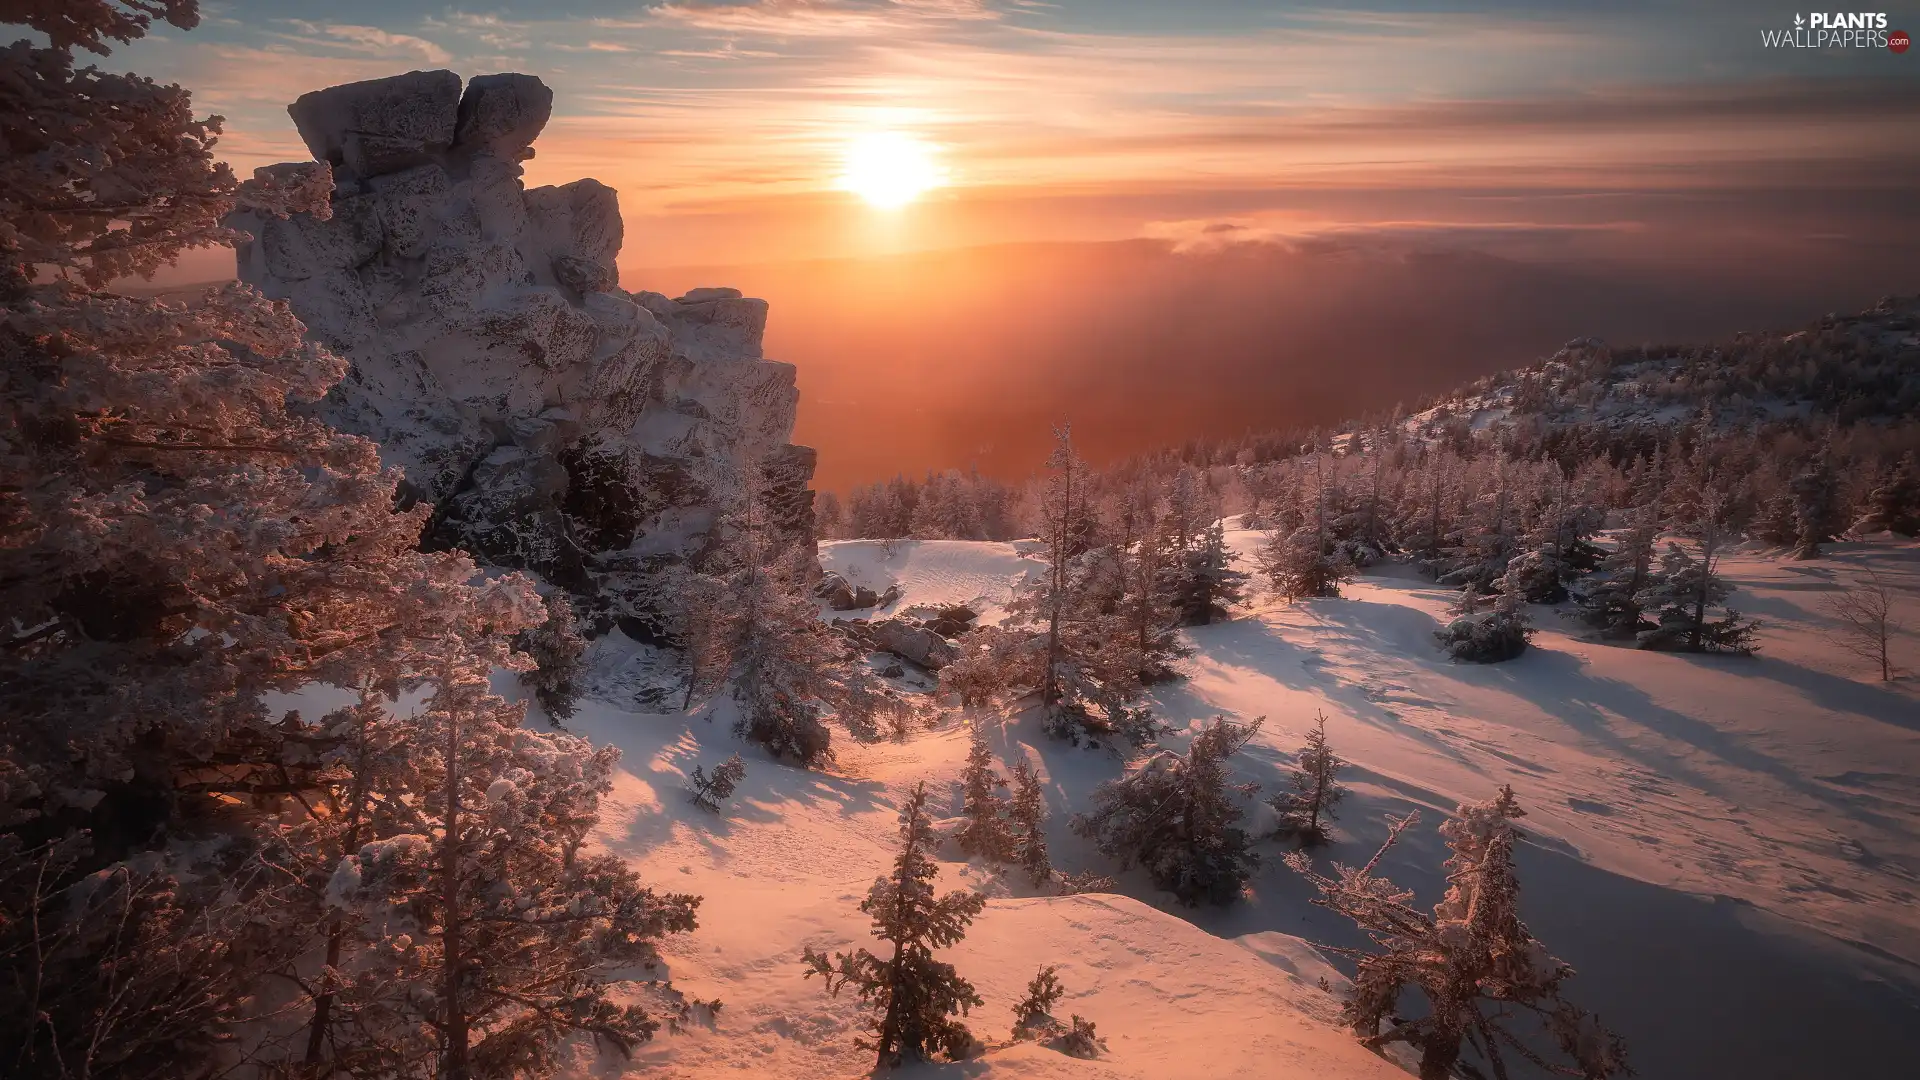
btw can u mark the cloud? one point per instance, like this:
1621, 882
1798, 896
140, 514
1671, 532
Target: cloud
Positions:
817, 18
367, 40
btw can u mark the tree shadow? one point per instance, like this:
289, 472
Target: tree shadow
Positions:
1762, 998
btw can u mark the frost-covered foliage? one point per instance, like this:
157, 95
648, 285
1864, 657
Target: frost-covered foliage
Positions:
179, 538
1178, 816
1817, 514
1488, 631
1680, 597
1027, 818
749, 618
1894, 503
709, 792
1305, 811
559, 655
476, 932
914, 997
1473, 961
1210, 586
1033, 1019
994, 662
987, 832
1305, 561
1610, 601
945, 506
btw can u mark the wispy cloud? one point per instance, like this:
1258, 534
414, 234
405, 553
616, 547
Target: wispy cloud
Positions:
368, 40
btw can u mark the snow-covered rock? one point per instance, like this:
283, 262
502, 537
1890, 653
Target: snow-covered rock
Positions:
556, 422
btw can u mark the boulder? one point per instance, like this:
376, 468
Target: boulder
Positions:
503, 114
381, 124
909, 640
583, 275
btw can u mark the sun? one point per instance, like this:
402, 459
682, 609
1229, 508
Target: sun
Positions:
890, 169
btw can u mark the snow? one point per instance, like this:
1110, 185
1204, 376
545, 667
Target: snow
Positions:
1727, 850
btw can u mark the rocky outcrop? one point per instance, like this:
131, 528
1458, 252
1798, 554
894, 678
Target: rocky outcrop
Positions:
555, 421
909, 640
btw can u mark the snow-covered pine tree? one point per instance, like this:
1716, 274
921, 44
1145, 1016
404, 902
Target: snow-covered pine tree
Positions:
914, 997
1679, 597
709, 792
987, 832
1894, 503
1151, 623
1211, 586
1178, 815
486, 936
1422, 525
1303, 562
1488, 631
1305, 811
1817, 513
1029, 819
180, 540
559, 655
1472, 960
789, 669
1064, 513
1033, 1019
1486, 539
1610, 602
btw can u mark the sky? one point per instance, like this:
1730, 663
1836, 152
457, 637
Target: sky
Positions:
725, 126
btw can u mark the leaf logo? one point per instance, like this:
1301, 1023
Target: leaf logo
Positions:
1798, 22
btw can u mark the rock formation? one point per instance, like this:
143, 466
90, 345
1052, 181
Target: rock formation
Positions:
555, 421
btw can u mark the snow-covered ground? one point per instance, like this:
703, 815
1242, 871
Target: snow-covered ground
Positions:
1726, 849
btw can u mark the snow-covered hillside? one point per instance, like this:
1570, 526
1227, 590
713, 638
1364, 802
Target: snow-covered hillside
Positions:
1726, 849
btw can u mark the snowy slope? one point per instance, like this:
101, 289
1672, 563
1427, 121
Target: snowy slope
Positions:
794, 854
1726, 850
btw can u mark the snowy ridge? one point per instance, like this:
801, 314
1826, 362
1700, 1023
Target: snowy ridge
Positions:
1727, 850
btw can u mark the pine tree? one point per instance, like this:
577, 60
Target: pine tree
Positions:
1680, 596
1149, 618
1303, 562
1063, 524
486, 936
1472, 960
1488, 631
1486, 539
986, 833
1178, 817
1211, 585
181, 540
1816, 506
559, 656
1033, 1019
709, 792
1029, 818
1894, 503
914, 996
1612, 603
1306, 810
789, 670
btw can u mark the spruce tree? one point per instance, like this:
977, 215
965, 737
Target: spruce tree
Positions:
1308, 808
1033, 1019
1488, 630
1472, 960
481, 934
1303, 562
1894, 503
914, 997
558, 653
1679, 598
1611, 603
1178, 815
1149, 618
790, 671
1211, 586
1816, 505
709, 792
1029, 818
986, 833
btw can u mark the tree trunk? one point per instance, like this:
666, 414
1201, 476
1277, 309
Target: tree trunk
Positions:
454, 1032
336, 933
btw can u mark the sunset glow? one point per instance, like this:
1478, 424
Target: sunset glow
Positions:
890, 169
